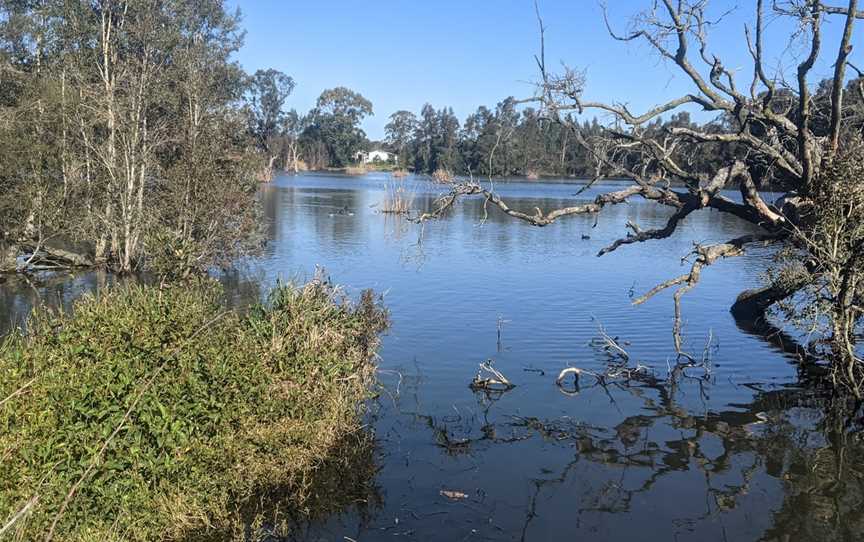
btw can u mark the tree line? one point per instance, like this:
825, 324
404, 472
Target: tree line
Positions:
527, 141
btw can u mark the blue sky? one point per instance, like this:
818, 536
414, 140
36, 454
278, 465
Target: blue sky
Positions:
401, 54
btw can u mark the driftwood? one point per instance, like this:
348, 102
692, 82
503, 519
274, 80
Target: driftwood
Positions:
492, 381
20, 514
40, 256
58, 257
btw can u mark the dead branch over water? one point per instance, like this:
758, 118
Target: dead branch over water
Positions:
775, 133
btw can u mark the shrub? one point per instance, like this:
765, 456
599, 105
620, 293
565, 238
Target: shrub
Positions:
442, 176
170, 417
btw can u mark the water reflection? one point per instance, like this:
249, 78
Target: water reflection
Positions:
743, 453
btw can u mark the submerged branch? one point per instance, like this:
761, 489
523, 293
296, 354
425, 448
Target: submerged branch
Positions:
705, 255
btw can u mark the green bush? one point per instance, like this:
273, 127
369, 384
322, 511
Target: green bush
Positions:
220, 409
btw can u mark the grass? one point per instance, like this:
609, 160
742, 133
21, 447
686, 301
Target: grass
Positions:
360, 169
399, 197
443, 176
154, 414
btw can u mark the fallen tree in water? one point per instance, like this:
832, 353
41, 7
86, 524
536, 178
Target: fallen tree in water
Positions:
155, 414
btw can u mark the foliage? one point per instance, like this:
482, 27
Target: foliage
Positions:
333, 134
829, 259
399, 132
116, 118
268, 90
224, 410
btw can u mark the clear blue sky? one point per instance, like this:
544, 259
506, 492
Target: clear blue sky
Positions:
403, 53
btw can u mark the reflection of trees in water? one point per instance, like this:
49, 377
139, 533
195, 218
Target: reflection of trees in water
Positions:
796, 437
19, 294
824, 483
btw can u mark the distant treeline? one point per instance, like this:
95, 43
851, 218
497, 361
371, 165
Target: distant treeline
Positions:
509, 140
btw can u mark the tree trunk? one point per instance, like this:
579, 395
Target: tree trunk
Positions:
266, 175
8, 254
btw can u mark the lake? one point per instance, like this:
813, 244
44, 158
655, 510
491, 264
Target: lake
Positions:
736, 452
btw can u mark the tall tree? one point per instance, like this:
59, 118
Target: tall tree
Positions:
334, 124
399, 132
267, 94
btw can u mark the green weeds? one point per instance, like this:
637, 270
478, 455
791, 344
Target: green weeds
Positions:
154, 414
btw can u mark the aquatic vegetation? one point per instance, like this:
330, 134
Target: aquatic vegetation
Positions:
399, 197
356, 170
155, 414
443, 176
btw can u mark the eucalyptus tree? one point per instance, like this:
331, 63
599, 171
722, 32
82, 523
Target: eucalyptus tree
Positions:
399, 132
267, 94
334, 124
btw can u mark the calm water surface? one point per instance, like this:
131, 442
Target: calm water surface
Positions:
739, 454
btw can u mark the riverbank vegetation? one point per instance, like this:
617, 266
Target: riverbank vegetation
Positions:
155, 414
123, 131
129, 135
399, 196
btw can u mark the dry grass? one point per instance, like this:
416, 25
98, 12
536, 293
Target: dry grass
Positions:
399, 173
301, 166
399, 197
356, 170
443, 176
264, 175
532, 175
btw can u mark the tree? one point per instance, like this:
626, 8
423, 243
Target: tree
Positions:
399, 132
292, 128
334, 124
769, 132
268, 91
122, 133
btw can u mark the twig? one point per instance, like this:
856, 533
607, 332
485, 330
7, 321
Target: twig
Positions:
21, 513
497, 382
17, 392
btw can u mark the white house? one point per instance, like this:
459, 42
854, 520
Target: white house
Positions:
375, 156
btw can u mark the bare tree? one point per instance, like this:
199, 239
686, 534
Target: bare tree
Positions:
776, 132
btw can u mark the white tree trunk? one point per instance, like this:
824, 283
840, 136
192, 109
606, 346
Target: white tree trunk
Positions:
8, 254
